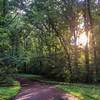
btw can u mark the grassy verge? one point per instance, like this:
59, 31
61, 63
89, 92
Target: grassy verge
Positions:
82, 91
6, 93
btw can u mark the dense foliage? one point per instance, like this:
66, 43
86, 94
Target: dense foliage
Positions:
40, 37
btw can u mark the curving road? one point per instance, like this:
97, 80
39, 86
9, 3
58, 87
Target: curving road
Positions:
40, 91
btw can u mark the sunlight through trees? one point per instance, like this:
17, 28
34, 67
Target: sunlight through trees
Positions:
56, 38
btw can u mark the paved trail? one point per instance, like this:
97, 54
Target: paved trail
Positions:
40, 91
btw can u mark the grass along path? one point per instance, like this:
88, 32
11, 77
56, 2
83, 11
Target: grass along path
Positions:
82, 91
6, 93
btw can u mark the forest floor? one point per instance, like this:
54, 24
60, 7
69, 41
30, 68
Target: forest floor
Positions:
33, 90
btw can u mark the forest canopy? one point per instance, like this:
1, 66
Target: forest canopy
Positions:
55, 38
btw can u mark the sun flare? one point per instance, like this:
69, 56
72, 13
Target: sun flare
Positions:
82, 39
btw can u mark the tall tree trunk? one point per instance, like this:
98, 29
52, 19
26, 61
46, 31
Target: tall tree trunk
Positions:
4, 8
86, 23
88, 28
73, 29
92, 36
4, 11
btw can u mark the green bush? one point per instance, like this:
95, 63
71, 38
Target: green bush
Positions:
6, 81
